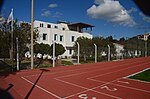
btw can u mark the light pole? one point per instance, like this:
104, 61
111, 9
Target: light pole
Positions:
108, 52
78, 52
32, 25
95, 53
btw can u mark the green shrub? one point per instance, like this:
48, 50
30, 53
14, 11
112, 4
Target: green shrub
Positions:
66, 63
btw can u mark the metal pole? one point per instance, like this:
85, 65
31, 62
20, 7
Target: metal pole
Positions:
145, 48
53, 54
17, 53
95, 53
78, 52
108, 52
32, 26
12, 36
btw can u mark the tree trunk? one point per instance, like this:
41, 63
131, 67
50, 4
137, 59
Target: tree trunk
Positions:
84, 57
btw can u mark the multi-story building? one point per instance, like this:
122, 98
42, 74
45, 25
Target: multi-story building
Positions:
63, 33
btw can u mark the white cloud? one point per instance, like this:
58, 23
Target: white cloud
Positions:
57, 14
112, 11
52, 5
145, 18
45, 13
132, 10
99, 1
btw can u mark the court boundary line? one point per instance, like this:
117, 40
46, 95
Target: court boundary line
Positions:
107, 82
76, 84
136, 80
96, 70
120, 70
85, 69
128, 87
86, 89
41, 88
127, 77
138, 72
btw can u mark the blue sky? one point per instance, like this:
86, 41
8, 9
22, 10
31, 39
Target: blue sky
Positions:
118, 18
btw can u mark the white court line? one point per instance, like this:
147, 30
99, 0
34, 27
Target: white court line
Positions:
84, 69
119, 70
111, 82
87, 89
138, 72
125, 82
67, 71
136, 80
127, 77
105, 82
42, 88
94, 70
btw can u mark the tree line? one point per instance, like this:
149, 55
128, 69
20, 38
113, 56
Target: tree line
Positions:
22, 32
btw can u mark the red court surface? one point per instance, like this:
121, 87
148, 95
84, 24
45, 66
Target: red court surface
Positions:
104, 80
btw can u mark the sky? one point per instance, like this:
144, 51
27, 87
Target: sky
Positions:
117, 18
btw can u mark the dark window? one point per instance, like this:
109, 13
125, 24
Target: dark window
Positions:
55, 37
72, 39
56, 27
44, 36
61, 37
63, 28
70, 51
48, 26
41, 24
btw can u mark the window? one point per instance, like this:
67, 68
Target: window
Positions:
41, 24
72, 39
61, 37
63, 28
55, 37
56, 27
70, 51
44, 36
48, 26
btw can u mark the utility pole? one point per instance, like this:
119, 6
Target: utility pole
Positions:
32, 26
95, 53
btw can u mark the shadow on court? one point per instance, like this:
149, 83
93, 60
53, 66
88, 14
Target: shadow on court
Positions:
4, 94
29, 93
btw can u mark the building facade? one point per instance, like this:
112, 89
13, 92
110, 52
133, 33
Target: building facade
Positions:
63, 33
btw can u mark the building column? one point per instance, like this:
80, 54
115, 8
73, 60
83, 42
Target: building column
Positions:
90, 30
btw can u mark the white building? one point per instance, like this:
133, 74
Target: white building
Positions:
63, 33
